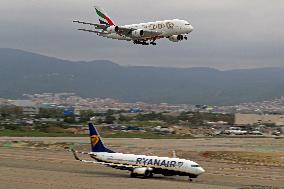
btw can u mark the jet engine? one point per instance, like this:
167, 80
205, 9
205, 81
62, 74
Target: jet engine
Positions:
112, 29
137, 33
142, 171
176, 38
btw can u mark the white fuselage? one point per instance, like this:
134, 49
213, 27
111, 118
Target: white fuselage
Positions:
167, 28
172, 164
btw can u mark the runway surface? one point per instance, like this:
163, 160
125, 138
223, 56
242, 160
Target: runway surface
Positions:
50, 166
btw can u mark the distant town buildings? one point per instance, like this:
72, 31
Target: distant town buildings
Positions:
257, 119
273, 106
101, 105
27, 107
69, 110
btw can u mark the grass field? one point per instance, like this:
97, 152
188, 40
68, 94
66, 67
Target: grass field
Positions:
19, 133
35, 133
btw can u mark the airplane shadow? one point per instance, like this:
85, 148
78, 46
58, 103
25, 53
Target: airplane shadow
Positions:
126, 175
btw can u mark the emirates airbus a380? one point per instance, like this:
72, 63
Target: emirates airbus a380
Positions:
175, 30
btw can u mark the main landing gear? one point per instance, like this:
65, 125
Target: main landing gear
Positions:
190, 179
147, 174
153, 43
140, 42
144, 42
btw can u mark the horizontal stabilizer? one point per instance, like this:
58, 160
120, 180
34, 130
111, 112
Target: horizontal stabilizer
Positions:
114, 165
97, 26
75, 155
87, 23
92, 31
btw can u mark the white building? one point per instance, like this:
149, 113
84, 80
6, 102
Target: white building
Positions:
28, 107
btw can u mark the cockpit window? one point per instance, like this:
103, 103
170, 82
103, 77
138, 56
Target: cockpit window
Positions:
195, 166
187, 24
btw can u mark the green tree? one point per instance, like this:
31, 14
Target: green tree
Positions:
10, 111
85, 115
99, 121
183, 116
110, 112
123, 118
149, 116
70, 119
110, 119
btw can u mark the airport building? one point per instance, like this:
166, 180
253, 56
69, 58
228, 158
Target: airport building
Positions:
253, 119
27, 107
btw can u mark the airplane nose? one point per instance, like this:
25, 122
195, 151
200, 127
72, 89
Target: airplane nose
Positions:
189, 28
201, 170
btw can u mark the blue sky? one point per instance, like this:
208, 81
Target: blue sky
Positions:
229, 34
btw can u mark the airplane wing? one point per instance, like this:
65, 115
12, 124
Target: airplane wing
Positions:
147, 33
93, 31
151, 34
121, 30
113, 165
97, 26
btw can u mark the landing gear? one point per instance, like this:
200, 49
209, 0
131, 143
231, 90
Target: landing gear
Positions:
143, 42
140, 42
153, 42
148, 174
185, 37
190, 179
133, 175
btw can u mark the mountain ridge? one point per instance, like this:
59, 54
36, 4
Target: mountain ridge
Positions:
24, 72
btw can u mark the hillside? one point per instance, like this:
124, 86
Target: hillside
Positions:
23, 72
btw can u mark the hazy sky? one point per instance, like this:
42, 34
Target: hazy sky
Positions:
228, 34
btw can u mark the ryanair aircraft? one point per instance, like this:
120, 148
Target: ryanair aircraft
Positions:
175, 30
138, 165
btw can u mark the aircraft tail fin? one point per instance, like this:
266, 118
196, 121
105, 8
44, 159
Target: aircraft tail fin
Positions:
96, 142
103, 16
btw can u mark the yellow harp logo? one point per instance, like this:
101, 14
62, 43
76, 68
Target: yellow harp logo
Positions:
95, 139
